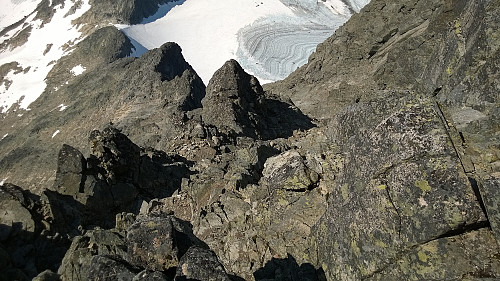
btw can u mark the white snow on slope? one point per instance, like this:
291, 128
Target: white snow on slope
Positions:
271, 48
77, 70
270, 38
357, 5
28, 85
14, 10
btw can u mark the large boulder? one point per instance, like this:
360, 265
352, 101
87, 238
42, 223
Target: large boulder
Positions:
200, 264
70, 175
158, 243
103, 268
77, 263
401, 185
15, 218
288, 171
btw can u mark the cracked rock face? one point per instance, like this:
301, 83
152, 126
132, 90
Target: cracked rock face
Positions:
416, 134
401, 185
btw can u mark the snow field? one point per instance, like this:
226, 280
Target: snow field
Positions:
14, 10
28, 85
206, 30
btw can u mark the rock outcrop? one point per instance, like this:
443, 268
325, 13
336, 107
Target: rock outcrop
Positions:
149, 98
231, 101
399, 83
393, 174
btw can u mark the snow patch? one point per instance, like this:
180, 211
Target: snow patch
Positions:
3, 181
27, 86
206, 30
13, 11
4, 136
55, 133
337, 7
77, 70
62, 107
138, 50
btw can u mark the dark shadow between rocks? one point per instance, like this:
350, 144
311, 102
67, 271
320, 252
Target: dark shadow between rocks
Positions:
255, 172
160, 175
282, 119
25, 254
287, 269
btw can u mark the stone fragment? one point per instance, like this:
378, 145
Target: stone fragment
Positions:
147, 275
103, 268
288, 171
157, 243
70, 175
200, 264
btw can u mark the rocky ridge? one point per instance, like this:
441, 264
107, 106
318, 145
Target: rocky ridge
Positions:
378, 160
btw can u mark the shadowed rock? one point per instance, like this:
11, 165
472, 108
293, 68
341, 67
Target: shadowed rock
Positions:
70, 175
158, 243
232, 99
236, 105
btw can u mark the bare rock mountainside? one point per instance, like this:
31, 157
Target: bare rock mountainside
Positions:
377, 160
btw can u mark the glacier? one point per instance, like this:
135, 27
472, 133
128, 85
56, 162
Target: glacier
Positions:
269, 38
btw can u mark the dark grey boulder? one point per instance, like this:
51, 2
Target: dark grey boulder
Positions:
200, 264
47, 275
113, 156
15, 218
401, 184
103, 268
70, 175
158, 243
231, 102
107, 247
